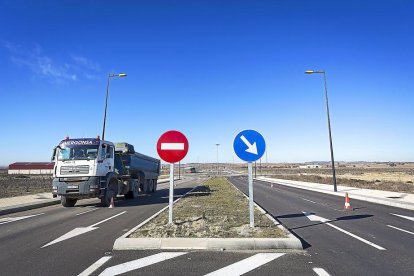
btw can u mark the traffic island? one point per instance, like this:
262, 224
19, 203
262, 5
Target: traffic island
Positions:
212, 216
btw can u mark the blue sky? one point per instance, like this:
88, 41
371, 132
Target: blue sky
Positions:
209, 69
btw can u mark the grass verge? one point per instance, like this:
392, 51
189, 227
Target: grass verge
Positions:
214, 210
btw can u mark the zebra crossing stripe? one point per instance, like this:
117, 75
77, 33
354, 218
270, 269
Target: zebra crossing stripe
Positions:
95, 266
320, 271
246, 265
136, 264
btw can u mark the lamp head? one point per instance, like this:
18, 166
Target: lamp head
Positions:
315, 72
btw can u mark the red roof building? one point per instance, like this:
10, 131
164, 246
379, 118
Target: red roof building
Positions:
31, 168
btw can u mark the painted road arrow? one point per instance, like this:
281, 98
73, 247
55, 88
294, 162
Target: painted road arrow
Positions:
250, 148
313, 217
79, 231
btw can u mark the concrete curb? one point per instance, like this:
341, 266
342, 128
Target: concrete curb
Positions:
25, 207
124, 243
383, 201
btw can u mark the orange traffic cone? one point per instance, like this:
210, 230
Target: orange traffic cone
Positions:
112, 203
347, 202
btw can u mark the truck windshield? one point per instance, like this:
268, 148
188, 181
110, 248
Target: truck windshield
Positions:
78, 152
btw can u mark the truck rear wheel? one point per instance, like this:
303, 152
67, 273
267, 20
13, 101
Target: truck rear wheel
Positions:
134, 193
67, 202
150, 186
154, 185
146, 186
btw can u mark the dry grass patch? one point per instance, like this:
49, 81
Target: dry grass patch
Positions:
214, 210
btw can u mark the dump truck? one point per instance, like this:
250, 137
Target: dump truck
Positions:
94, 168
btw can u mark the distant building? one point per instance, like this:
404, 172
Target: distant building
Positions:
190, 169
309, 167
31, 168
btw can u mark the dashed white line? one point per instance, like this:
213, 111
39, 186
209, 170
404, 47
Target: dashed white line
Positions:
356, 237
136, 264
313, 217
320, 271
308, 200
87, 211
102, 221
402, 230
12, 219
401, 216
246, 265
95, 266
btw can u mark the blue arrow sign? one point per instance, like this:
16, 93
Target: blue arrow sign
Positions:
249, 145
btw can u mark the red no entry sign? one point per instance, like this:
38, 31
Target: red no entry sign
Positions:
172, 146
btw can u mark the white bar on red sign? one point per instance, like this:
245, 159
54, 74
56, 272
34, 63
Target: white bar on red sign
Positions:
172, 146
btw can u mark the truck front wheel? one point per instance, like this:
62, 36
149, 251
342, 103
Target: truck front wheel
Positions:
109, 194
68, 202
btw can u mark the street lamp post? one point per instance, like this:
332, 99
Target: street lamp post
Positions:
217, 159
329, 122
106, 100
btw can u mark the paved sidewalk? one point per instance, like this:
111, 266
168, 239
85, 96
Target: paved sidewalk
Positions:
401, 200
22, 203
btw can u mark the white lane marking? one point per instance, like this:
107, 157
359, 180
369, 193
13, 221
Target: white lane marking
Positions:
312, 217
401, 216
406, 231
133, 265
356, 237
87, 211
246, 265
320, 271
308, 200
12, 219
172, 146
95, 266
79, 231
102, 221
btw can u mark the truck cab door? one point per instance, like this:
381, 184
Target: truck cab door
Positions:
106, 160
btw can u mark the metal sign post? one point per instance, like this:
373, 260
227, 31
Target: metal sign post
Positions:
251, 202
249, 145
171, 197
172, 147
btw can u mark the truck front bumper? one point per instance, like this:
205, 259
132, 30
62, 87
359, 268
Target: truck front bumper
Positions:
73, 188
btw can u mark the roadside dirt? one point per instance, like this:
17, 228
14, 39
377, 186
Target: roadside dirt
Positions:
18, 185
214, 210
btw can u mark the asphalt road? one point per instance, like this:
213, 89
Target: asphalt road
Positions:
21, 241
328, 249
331, 248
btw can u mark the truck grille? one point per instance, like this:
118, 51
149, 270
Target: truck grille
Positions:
67, 170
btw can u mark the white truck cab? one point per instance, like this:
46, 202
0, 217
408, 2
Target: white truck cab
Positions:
90, 167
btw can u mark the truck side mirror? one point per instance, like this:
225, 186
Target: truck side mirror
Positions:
53, 154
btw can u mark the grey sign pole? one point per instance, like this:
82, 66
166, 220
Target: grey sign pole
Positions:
251, 202
171, 197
